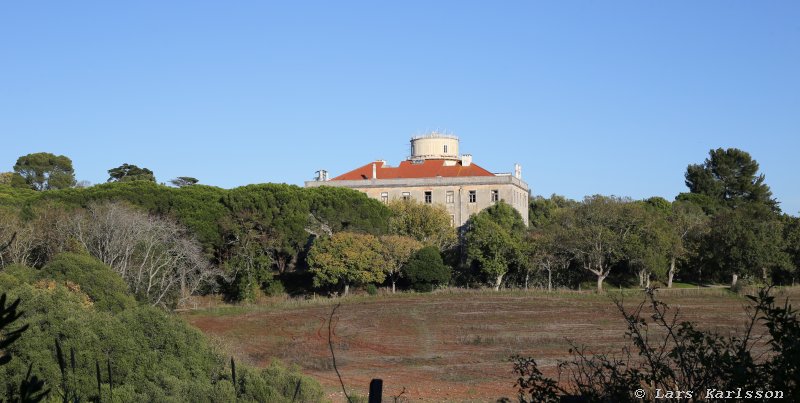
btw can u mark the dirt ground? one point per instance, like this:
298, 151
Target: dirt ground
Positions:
448, 346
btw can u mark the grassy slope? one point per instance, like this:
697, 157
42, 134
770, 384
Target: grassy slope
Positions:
444, 346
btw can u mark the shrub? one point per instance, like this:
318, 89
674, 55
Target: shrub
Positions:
371, 289
153, 355
426, 270
105, 287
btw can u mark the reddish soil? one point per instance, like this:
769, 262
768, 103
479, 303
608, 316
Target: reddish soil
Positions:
450, 346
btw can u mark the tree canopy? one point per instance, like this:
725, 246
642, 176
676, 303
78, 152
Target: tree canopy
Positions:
182, 181
129, 172
493, 241
730, 177
346, 259
429, 224
44, 171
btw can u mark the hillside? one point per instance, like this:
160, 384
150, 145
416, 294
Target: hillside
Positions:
451, 346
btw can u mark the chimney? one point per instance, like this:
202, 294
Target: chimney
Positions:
518, 171
374, 171
466, 160
322, 175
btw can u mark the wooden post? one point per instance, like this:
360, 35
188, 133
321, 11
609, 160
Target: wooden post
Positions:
376, 391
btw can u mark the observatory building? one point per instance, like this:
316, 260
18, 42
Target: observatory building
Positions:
435, 173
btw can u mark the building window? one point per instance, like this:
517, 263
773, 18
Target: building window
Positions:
450, 199
495, 195
385, 197
445, 148
473, 196
452, 220
428, 197
406, 195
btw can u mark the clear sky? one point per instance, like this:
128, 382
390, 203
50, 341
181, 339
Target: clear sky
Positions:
590, 97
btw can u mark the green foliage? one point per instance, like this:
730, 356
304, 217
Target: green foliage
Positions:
346, 259
396, 250
429, 224
425, 270
106, 289
371, 289
747, 240
129, 173
153, 355
347, 210
541, 210
730, 176
183, 181
494, 241
31, 388
44, 171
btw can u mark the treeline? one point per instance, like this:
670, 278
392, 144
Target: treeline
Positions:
726, 228
274, 239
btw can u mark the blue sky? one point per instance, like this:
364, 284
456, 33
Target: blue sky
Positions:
590, 97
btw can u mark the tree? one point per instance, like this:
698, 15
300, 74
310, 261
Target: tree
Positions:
425, 270
687, 224
128, 173
493, 241
597, 234
746, 241
396, 252
730, 177
429, 224
183, 181
346, 259
546, 253
44, 171
541, 210
792, 237
647, 246
159, 261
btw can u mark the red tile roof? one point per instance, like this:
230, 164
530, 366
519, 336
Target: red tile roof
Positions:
407, 169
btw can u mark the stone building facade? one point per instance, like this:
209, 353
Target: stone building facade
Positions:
435, 173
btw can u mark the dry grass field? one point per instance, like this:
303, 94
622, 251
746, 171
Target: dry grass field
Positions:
446, 346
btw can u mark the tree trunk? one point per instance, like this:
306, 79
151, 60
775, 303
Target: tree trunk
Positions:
671, 272
549, 280
497, 282
764, 275
600, 279
734, 278
393, 281
346, 289
647, 283
527, 274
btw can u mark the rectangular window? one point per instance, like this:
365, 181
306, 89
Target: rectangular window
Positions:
452, 220
385, 197
495, 195
428, 197
450, 199
406, 195
473, 197
445, 148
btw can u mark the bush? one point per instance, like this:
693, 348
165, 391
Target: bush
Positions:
371, 289
153, 355
105, 287
426, 270
274, 288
